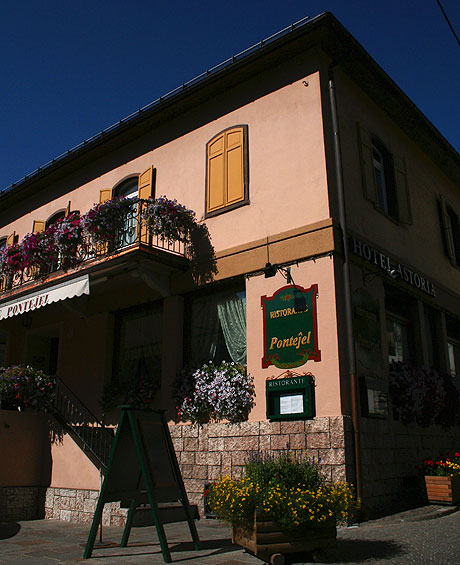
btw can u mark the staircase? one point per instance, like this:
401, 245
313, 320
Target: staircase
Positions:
93, 438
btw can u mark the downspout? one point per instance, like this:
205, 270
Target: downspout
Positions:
347, 283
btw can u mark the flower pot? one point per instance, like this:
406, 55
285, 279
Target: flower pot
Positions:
269, 541
443, 490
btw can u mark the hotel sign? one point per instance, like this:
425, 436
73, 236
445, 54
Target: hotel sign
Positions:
290, 337
392, 268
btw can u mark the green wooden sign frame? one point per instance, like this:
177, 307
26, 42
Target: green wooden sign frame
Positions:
290, 397
290, 337
142, 469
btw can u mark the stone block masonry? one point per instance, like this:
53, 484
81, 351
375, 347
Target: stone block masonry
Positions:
208, 452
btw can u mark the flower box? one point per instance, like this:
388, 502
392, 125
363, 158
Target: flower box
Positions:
443, 490
269, 541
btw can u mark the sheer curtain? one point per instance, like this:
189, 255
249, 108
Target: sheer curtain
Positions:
218, 328
231, 310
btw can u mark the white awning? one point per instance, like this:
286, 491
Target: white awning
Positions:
34, 300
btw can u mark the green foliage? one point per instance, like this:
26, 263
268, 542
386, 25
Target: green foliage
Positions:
286, 469
287, 489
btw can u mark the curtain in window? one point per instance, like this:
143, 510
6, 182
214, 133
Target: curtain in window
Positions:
232, 317
218, 328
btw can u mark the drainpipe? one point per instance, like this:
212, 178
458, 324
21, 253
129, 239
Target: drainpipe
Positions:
347, 283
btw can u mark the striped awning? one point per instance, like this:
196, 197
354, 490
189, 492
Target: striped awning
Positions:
34, 300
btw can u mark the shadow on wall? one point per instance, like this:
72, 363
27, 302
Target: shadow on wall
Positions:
25, 449
202, 255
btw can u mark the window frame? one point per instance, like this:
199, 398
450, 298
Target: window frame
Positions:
395, 203
119, 319
235, 287
245, 200
450, 223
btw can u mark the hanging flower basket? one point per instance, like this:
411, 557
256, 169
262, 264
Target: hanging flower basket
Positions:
167, 219
39, 252
214, 393
25, 388
68, 237
11, 260
105, 221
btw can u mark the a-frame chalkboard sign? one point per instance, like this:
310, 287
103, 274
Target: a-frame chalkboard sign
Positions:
142, 469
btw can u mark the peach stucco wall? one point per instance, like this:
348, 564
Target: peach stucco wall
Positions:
326, 371
71, 467
287, 171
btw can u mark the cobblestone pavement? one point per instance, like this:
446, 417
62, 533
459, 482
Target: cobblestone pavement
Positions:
409, 538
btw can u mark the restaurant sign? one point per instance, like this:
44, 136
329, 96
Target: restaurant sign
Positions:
290, 335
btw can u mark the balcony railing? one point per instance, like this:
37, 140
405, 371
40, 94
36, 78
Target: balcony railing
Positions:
132, 232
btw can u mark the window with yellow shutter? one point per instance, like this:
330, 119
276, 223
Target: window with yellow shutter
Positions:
227, 171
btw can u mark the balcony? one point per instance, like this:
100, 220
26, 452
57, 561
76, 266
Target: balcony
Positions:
108, 234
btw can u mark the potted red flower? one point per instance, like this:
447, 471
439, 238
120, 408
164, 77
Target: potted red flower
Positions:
442, 479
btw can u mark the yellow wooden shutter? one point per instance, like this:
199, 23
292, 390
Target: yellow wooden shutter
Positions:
39, 226
447, 227
146, 189
147, 184
216, 174
367, 164
105, 195
234, 160
67, 210
11, 239
402, 190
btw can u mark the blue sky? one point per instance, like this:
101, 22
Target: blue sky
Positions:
71, 69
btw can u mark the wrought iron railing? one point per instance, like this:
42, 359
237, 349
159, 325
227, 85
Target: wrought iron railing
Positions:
90, 434
131, 230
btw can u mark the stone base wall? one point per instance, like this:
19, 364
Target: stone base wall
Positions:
21, 503
72, 505
208, 452
391, 456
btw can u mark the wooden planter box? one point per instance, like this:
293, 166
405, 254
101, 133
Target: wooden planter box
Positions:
268, 540
443, 490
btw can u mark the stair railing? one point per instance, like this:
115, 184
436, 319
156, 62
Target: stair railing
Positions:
90, 434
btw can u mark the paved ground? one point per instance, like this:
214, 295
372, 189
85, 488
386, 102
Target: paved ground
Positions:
414, 537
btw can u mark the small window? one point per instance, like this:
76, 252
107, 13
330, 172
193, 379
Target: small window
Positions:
138, 343
227, 171
2, 244
451, 228
453, 344
128, 188
54, 218
216, 328
398, 342
384, 177
384, 180
399, 324
454, 357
